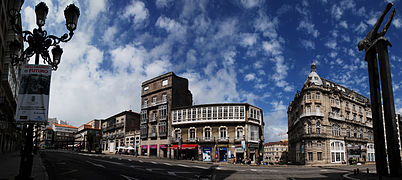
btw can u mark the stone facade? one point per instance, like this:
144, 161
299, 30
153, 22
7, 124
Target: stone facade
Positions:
63, 136
218, 132
159, 95
115, 128
276, 152
328, 123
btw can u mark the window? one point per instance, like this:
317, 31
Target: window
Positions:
318, 96
179, 115
225, 112
145, 102
239, 132
309, 128
253, 133
165, 82
207, 133
177, 134
162, 127
146, 88
310, 156
242, 112
230, 112
184, 114
204, 113
319, 144
318, 127
222, 133
192, 134
308, 109
354, 107
319, 155
194, 113
214, 112
308, 96
317, 108
354, 133
309, 144
348, 131
361, 133
348, 115
209, 113
219, 112
236, 112
164, 97
154, 100
354, 117
163, 112
336, 130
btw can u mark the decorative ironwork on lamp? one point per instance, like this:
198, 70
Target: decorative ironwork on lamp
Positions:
38, 40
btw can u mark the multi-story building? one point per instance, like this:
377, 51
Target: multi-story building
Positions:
328, 123
115, 128
276, 152
133, 141
63, 136
158, 96
10, 134
218, 132
88, 136
45, 138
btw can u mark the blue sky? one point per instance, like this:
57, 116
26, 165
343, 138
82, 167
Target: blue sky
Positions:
251, 51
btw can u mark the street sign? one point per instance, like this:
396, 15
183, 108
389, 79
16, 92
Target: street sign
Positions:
33, 95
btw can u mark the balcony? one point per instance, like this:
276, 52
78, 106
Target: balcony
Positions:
314, 135
153, 119
143, 136
239, 140
206, 139
369, 115
223, 139
175, 140
119, 125
144, 121
144, 106
336, 117
152, 135
162, 118
307, 114
192, 140
162, 134
156, 103
335, 105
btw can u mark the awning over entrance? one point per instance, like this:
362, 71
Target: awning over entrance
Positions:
189, 146
144, 147
184, 146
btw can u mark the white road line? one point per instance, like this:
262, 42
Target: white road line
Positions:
140, 161
98, 165
153, 162
200, 167
167, 164
150, 170
253, 170
111, 162
218, 168
347, 177
132, 166
129, 159
182, 165
171, 173
128, 177
324, 170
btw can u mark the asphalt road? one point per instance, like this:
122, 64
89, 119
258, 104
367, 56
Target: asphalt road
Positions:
72, 165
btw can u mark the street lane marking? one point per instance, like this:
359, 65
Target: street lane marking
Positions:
69, 172
153, 162
253, 170
172, 173
99, 165
200, 167
150, 170
347, 177
140, 161
111, 162
128, 177
132, 166
129, 159
167, 164
182, 165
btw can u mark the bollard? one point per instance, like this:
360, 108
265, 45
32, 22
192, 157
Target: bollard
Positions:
358, 171
354, 171
368, 171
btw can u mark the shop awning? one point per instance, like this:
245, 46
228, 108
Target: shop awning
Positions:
174, 146
144, 147
189, 146
153, 146
162, 146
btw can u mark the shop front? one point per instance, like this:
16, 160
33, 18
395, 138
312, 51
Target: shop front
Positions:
144, 150
239, 154
223, 152
206, 153
163, 150
189, 151
153, 150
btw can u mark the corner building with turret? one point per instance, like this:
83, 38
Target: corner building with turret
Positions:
329, 124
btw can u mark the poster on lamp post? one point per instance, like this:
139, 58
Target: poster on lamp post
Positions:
33, 94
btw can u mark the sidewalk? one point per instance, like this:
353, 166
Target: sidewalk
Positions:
10, 165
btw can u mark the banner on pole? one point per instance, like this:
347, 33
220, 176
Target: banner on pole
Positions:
33, 94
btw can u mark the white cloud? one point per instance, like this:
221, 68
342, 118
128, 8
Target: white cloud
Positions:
275, 122
109, 35
331, 44
267, 26
336, 12
95, 7
397, 23
163, 3
137, 10
248, 39
372, 21
250, 3
308, 27
272, 47
249, 77
308, 44
344, 24
361, 28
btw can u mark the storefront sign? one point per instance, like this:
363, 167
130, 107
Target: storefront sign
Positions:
243, 144
153, 146
206, 154
144, 147
239, 149
162, 146
33, 95
222, 148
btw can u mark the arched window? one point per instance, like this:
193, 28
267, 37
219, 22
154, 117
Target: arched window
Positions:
309, 128
361, 133
354, 133
318, 127
336, 131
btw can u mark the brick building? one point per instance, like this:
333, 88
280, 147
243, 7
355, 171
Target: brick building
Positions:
217, 132
158, 96
329, 123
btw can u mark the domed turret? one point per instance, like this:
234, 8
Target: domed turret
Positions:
313, 76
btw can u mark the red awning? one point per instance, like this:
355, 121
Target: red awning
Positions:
174, 146
189, 146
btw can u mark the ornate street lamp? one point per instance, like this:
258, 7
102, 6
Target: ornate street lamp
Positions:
38, 44
38, 40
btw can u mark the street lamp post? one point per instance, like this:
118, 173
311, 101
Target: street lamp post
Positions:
38, 43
